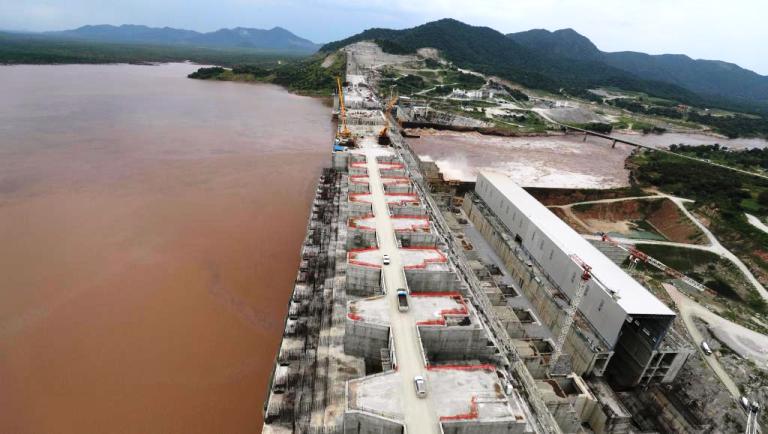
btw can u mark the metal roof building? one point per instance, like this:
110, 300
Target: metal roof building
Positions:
615, 303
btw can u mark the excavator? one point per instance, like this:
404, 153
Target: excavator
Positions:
343, 135
383, 138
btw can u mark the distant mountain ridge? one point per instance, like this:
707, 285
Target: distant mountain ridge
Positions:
276, 38
711, 78
565, 59
491, 52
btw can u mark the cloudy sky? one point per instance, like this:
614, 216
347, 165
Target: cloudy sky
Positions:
732, 30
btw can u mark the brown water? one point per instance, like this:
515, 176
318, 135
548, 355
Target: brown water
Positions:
693, 139
150, 228
545, 161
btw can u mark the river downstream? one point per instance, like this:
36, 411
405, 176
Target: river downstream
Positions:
150, 227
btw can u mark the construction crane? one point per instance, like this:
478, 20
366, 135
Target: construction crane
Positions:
383, 139
570, 312
343, 135
636, 256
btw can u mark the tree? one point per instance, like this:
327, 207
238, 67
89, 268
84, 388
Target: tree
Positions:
762, 198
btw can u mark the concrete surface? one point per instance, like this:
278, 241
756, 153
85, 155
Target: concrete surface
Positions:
404, 223
427, 259
456, 392
756, 222
421, 308
418, 414
747, 343
686, 305
389, 198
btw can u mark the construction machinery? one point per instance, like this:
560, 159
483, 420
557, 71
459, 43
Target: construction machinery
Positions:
636, 256
570, 312
383, 138
343, 135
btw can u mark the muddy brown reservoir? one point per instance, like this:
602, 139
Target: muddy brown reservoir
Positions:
150, 227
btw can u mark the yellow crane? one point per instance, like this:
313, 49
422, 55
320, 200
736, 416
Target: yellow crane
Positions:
343, 133
387, 110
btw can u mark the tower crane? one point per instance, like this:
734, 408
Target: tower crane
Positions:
343, 135
636, 256
570, 316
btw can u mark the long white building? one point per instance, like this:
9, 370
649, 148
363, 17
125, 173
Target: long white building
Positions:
626, 315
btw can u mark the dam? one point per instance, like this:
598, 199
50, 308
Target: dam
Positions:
396, 326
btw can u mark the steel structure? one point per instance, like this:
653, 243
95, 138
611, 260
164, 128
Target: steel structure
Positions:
343, 133
586, 275
636, 256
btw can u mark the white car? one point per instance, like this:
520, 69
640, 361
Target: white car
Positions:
385, 259
421, 386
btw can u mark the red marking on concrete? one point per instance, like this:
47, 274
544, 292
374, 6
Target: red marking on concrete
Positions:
414, 198
451, 294
354, 317
471, 415
430, 322
411, 198
460, 311
352, 222
352, 253
426, 261
424, 225
480, 367
354, 197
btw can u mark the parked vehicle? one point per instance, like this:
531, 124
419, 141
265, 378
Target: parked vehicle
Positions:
402, 300
385, 259
420, 385
744, 403
705, 348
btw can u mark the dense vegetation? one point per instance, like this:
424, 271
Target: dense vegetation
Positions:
464, 81
722, 195
733, 126
730, 192
728, 125
598, 127
748, 159
485, 50
207, 73
309, 76
722, 84
276, 39
26, 49
306, 76
516, 93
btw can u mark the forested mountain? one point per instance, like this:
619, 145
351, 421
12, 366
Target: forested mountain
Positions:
489, 51
710, 78
275, 39
562, 43
567, 60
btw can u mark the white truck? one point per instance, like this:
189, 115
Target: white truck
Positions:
705, 348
